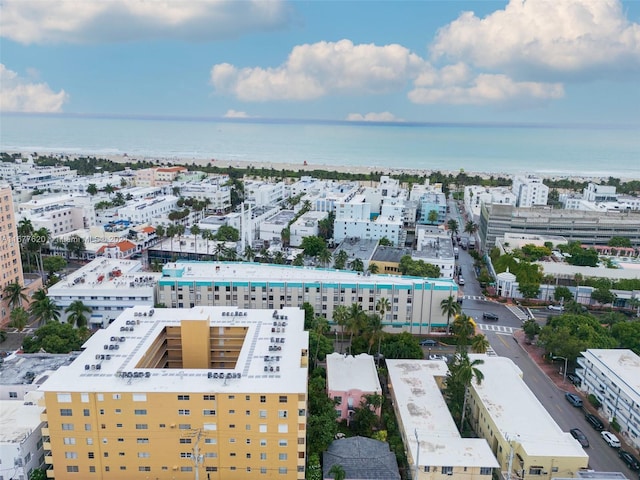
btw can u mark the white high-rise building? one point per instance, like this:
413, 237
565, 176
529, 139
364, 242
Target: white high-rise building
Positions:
530, 191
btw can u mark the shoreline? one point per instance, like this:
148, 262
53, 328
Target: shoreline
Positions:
309, 167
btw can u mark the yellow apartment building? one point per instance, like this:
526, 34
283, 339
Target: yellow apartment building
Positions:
10, 261
516, 425
214, 393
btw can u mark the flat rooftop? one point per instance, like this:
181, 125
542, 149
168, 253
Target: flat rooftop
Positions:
623, 363
283, 217
108, 362
423, 410
106, 273
17, 420
26, 367
348, 372
515, 410
357, 247
390, 254
246, 271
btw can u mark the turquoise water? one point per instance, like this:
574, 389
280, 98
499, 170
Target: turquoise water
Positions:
559, 151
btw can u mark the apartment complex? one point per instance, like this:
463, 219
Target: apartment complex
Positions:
435, 449
519, 430
415, 302
613, 377
10, 261
529, 191
219, 392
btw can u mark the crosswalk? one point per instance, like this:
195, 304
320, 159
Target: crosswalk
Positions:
517, 312
491, 352
496, 328
474, 297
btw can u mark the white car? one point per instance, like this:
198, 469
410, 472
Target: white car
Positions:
557, 308
460, 281
611, 439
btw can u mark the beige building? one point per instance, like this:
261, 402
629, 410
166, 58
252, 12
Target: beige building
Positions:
10, 261
171, 394
514, 423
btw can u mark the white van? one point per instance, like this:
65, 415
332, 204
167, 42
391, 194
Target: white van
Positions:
611, 439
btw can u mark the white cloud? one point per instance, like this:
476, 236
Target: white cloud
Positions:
236, 114
487, 89
88, 21
19, 95
373, 117
324, 68
544, 38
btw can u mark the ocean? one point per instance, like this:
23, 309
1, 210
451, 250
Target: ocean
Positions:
493, 149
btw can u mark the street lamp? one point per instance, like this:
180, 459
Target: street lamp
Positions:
564, 372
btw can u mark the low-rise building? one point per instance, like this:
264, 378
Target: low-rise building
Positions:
173, 393
305, 226
519, 429
613, 377
107, 287
435, 449
361, 458
349, 380
23, 373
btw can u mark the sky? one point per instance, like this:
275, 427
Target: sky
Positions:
518, 61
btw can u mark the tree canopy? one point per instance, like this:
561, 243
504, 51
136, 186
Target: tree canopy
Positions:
55, 337
418, 268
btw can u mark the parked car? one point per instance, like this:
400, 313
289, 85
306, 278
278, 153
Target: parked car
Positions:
631, 461
436, 357
581, 437
428, 342
611, 439
573, 378
594, 421
556, 308
460, 281
573, 399
489, 316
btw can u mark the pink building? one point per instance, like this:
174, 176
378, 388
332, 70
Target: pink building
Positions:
349, 379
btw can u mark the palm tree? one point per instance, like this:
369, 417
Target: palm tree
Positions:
76, 311
324, 257
374, 330
340, 317
195, 231
479, 344
466, 371
453, 227
92, 189
321, 327
357, 265
41, 237
298, 261
450, 307
383, 306
14, 294
278, 257
44, 309
249, 253
19, 318
432, 217
463, 328
355, 321
373, 268
470, 227
218, 250
340, 260
337, 472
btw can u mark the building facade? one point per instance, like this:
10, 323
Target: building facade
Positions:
613, 377
217, 392
10, 261
530, 191
415, 302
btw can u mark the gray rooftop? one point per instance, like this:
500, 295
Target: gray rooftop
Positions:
283, 217
361, 458
389, 254
357, 247
26, 367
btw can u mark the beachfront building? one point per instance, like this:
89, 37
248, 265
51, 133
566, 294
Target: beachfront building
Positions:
158, 176
354, 219
518, 428
601, 198
21, 446
10, 261
326, 194
212, 189
260, 193
107, 287
349, 380
476, 195
529, 191
24, 372
153, 211
177, 393
435, 449
415, 302
613, 377
588, 228
100, 180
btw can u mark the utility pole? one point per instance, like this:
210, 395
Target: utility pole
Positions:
195, 452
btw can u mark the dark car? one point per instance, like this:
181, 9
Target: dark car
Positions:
489, 316
631, 461
581, 437
594, 421
573, 399
573, 378
428, 343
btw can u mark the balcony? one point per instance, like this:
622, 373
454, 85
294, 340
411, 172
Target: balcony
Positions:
48, 459
46, 445
43, 417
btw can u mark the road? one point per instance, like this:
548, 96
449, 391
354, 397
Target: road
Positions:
601, 456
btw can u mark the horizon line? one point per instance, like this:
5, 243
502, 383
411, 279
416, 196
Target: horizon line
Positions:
312, 121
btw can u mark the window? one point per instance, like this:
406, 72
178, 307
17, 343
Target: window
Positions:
263, 414
144, 454
184, 426
140, 412
247, 397
184, 412
117, 396
283, 428
185, 454
13, 394
73, 468
263, 470
535, 470
263, 456
87, 427
263, 399
211, 441
209, 397
232, 440
447, 470
142, 440
282, 414
185, 440
263, 443
118, 411
263, 428
89, 441
211, 455
91, 455
66, 412
70, 455
208, 413
282, 470
67, 426
144, 469
282, 399
283, 443
92, 469
183, 397
485, 470
141, 426
64, 398
85, 412
282, 456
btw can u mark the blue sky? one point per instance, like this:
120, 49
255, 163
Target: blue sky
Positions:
541, 61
